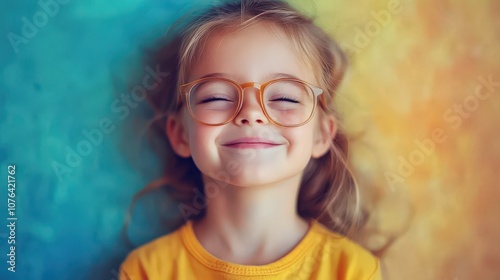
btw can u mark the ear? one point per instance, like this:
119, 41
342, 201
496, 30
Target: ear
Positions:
177, 136
324, 135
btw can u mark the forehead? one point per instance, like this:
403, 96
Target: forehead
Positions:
255, 53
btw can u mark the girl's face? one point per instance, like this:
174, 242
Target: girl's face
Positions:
255, 54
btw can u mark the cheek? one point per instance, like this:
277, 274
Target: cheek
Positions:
202, 142
195, 132
307, 136
198, 137
301, 139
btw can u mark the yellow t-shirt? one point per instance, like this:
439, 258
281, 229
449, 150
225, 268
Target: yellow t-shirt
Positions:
321, 254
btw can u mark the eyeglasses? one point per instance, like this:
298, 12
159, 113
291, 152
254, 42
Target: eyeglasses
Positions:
285, 102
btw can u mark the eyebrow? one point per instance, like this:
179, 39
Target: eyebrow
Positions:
269, 77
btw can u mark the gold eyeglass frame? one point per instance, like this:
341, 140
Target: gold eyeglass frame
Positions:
185, 90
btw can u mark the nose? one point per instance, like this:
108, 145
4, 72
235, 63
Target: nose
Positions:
251, 111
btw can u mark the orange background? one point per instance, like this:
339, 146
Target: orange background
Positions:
425, 129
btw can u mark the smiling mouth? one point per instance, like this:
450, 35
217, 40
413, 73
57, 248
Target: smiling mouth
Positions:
254, 145
251, 143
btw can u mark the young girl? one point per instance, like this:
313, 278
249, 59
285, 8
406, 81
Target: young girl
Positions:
257, 162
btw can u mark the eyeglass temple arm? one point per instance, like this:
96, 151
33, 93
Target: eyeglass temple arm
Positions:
319, 92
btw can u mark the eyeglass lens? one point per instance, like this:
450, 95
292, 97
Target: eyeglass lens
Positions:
286, 102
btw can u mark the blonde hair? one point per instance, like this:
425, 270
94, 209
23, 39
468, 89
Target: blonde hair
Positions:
328, 190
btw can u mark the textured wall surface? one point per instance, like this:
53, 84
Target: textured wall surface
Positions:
422, 99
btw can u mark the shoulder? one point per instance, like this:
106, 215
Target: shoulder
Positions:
351, 259
162, 250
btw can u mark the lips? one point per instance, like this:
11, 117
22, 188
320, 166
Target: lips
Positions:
251, 142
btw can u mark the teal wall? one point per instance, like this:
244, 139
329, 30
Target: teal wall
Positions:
63, 69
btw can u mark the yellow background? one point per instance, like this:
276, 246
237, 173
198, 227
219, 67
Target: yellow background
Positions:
416, 70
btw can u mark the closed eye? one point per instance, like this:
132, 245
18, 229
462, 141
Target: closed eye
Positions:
215, 98
287, 99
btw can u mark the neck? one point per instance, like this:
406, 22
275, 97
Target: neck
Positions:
252, 224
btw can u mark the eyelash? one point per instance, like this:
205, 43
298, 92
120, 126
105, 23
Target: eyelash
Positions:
214, 98
285, 99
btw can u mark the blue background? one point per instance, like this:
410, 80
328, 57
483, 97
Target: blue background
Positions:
54, 85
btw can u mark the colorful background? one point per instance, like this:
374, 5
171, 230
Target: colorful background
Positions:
421, 101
